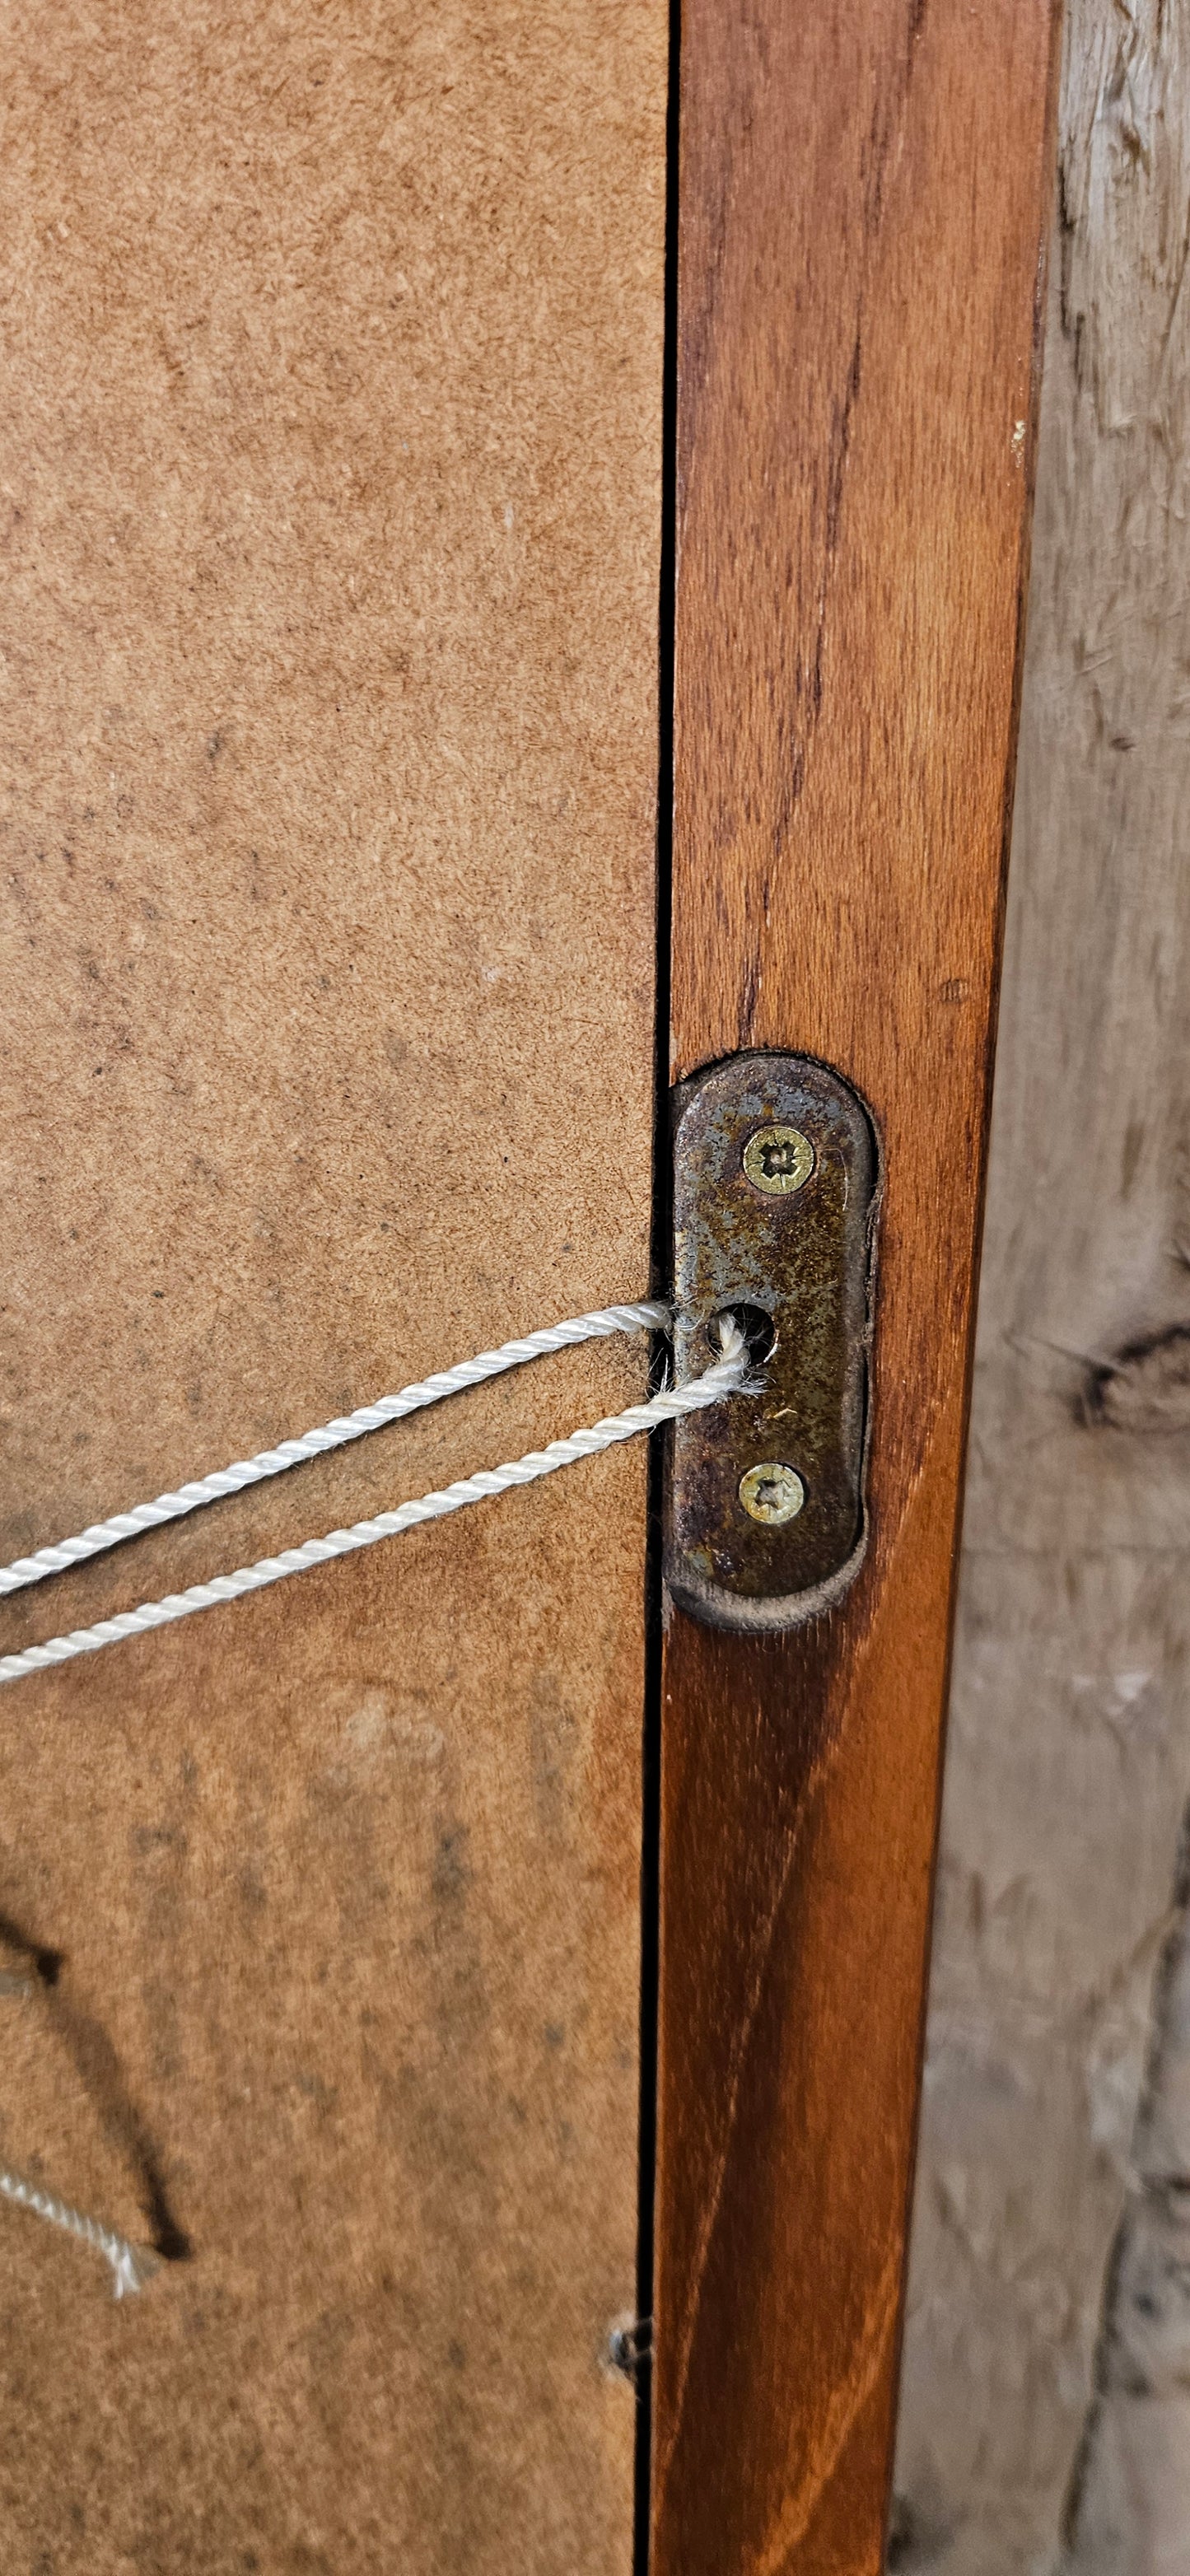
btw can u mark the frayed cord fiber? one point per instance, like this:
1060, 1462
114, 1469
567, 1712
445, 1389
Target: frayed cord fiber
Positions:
726, 1377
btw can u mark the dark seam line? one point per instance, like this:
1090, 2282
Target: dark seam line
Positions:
661, 1258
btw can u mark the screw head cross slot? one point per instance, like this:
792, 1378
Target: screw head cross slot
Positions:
778, 1159
772, 1493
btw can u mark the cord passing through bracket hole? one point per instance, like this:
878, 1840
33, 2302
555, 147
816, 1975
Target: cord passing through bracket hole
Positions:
754, 1322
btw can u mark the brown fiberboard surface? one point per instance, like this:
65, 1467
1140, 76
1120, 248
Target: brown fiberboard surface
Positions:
330, 461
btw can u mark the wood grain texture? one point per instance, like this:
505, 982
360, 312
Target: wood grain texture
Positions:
331, 475
862, 204
1069, 1765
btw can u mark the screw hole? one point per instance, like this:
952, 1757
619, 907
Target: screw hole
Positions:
757, 1327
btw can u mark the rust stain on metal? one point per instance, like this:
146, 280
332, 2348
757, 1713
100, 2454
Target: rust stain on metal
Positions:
803, 1258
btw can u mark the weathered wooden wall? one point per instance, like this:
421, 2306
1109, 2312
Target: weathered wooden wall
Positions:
331, 472
1069, 1756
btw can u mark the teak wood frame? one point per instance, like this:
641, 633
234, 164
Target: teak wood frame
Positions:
862, 206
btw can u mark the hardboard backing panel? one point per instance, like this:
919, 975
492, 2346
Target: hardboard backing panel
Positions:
330, 468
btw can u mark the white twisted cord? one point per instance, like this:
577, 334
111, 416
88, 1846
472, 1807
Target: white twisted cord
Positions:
722, 1379
648, 1316
132, 2265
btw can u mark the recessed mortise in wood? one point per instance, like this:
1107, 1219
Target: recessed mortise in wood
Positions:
775, 1198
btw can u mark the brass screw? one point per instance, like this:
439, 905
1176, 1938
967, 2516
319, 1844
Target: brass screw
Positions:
772, 1493
778, 1159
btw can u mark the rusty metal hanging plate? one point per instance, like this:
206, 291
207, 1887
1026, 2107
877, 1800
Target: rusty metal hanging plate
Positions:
775, 1201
